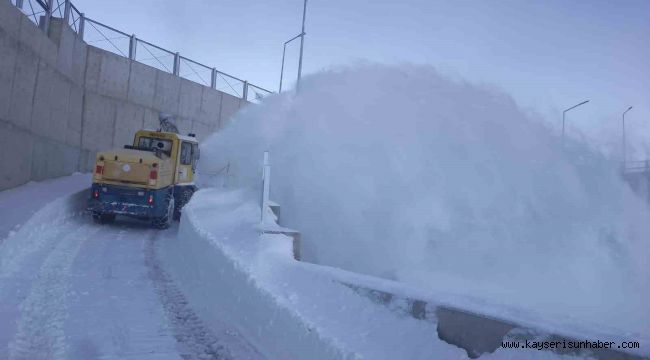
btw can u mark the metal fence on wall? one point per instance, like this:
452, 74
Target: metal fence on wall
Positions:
128, 45
33, 9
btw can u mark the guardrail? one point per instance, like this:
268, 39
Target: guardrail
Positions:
212, 178
116, 41
636, 166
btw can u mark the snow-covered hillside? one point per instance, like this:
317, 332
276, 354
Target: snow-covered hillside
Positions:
405, 174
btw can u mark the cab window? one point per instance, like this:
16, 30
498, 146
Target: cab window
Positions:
162, 145
195, 155
186, 153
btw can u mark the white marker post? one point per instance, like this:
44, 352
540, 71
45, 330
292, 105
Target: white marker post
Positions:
266, 184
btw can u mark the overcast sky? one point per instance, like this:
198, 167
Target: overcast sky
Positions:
547, 54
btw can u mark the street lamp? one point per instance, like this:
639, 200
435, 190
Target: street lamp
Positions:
284, 50
564, 115
302, 44
624, 144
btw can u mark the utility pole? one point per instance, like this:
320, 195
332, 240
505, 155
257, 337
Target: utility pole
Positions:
302, 44
624, 142
564, 116
284, 50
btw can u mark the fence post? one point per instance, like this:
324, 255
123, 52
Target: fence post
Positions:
66, 12
177, 64
213, 81
45, 25
132, 46
245, 94
82, 23
19, 4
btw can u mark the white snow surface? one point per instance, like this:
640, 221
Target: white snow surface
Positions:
405, 174
289, 309
18, 204
72, 289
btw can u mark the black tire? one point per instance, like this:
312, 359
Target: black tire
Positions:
100, 218
165, 221
183, 198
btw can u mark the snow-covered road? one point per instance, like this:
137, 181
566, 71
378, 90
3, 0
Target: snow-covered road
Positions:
73, 289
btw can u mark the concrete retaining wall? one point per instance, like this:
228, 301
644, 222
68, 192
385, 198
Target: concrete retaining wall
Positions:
62, 100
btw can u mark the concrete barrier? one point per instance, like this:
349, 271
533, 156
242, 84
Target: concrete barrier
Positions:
473, 331
62, 100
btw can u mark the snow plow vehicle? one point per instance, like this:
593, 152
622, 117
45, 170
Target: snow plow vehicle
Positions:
150, 180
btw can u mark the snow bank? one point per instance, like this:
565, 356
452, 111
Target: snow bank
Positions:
229, 273
233, 277
18, 204
447, 186
29, 239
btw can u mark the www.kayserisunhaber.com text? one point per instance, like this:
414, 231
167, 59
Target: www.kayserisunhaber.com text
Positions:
569, 344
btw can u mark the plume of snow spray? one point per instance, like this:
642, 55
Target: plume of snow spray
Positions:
405, 174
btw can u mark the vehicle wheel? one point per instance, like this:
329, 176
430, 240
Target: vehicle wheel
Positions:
183, 199
165, 221
100, 218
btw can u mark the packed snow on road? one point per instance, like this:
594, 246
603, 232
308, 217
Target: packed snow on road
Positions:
73, 289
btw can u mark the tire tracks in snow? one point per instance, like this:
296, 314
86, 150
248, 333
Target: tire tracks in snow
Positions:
196, 341
43, 313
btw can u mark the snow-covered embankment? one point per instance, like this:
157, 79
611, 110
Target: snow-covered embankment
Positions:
235, 277
32, 209
287, 309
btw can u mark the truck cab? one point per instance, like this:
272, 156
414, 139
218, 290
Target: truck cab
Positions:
152, 179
